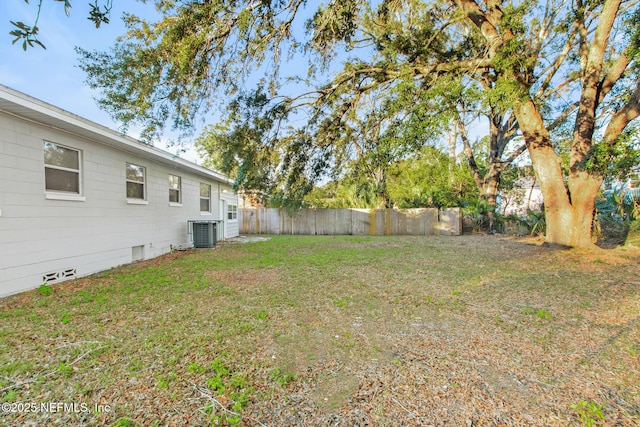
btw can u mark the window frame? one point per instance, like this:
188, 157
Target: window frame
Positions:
207, 198
178, 190
136, 200
232, 212
54, 194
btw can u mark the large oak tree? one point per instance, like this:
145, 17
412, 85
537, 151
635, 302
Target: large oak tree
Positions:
595, 46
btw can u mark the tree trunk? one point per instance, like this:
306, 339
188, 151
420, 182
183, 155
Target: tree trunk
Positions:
489, 194
569, 227
453, 140
568, 207
490, 183
490, 186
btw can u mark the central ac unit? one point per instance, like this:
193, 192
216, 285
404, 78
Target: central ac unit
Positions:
203, 233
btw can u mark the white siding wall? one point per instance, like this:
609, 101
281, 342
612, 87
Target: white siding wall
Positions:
40, 236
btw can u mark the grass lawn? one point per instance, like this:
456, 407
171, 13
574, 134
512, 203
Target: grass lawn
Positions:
317, 331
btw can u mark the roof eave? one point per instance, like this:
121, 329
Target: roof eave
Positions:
31, 109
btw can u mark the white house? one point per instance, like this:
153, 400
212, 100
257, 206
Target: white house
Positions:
77, 198
525, 196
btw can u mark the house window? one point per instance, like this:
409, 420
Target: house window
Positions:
61, 168
175, 189
232, 212
135, 181
205, 197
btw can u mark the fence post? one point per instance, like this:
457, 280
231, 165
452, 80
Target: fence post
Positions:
282, 221
387, 222
372, 222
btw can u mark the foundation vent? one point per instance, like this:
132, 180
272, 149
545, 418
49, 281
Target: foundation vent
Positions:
57, 276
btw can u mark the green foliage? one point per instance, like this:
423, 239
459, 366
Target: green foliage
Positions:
505, 93
588, 412
430, 179
514, 55
425, 179
543, 314
477, 213
291, 199
65, 370
617, 212
65, 318
617, 204
123, 422
234, 386
45, 290
540, 313
164, 380
243, 146
170, 70
536, 221
262, 314
10, 396
344, 193
615, 159
334, 22
280, 377
29, 33
533, 223
195, 368
97, 15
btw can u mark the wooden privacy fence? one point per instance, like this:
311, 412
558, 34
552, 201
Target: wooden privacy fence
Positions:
372, 222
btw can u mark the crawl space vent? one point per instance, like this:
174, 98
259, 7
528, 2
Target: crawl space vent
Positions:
59, 275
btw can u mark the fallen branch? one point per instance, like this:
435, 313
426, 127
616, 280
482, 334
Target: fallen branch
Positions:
400, 405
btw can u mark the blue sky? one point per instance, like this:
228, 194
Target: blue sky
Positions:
52, 75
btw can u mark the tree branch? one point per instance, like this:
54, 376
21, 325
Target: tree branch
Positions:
469, 153
615, 73
479, 18
623, 117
